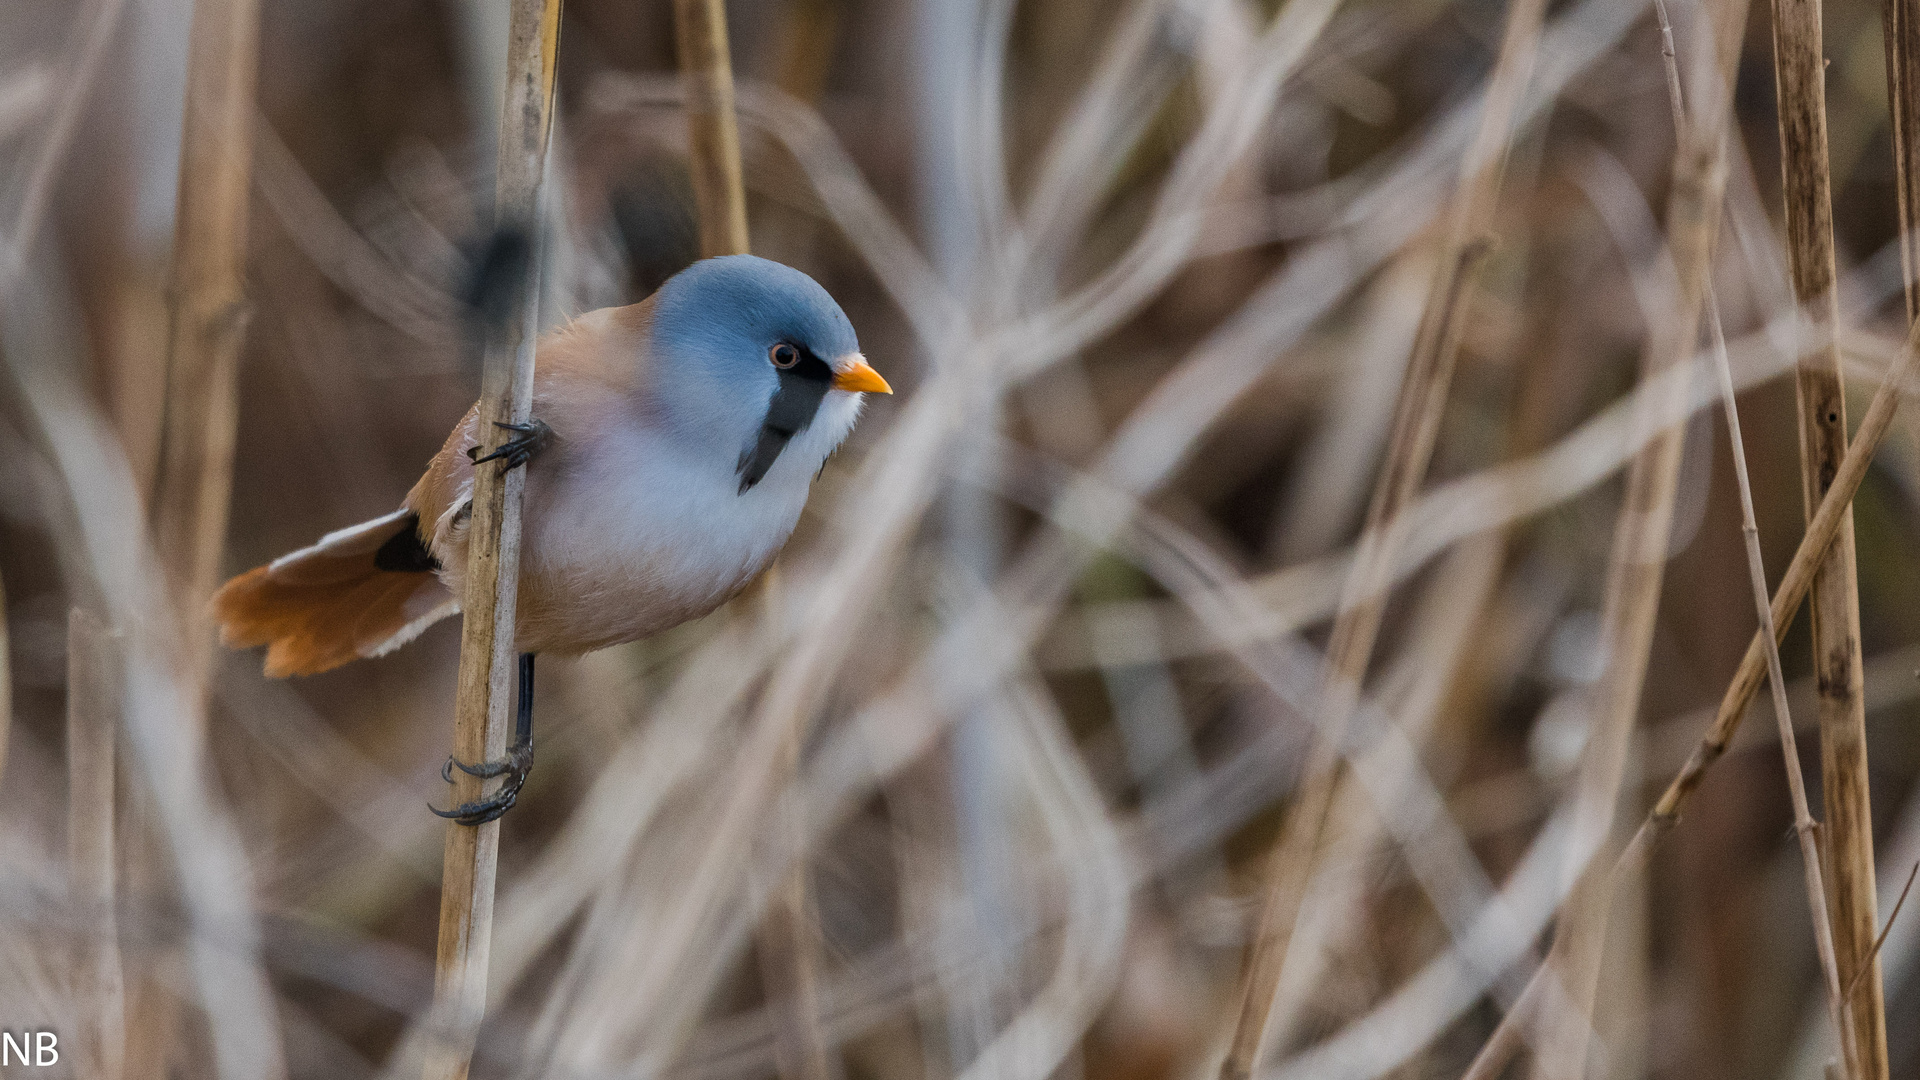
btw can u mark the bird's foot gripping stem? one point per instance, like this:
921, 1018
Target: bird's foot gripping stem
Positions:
515, 766
528, 439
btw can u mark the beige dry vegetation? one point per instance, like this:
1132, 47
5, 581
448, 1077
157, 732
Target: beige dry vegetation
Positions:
1295, 619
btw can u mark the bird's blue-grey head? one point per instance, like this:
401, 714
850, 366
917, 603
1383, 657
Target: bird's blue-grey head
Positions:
749, 349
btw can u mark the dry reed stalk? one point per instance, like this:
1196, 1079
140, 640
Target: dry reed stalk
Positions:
625, 801
103, 547
1415, 692
627, 798
6, 682
1892, 917
788, 942
1635, 573
1636, 569
1493, 932
719, 193
1900, 33
1339, 458
340, 252
788, 948
803, 59
93, 723
1423, 396
484, 691
207, 314
1847, 1037
1794, 583
788, 932
1821, 530
1148, 447
1799, 73
1694, 215
1803, 823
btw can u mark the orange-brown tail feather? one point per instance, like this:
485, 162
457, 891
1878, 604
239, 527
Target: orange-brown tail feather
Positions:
323, 606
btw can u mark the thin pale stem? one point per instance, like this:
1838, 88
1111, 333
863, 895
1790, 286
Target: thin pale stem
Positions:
1821, 531
488, 655
1803, 824
719, 193
1900, 34
6, 682
1885, 930
787, 932
1633, 583
93, 721
207, 312
1423, 398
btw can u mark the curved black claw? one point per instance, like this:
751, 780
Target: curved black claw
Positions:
527, 441
486, 770
516, 766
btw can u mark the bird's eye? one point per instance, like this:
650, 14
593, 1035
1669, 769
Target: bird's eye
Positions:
783, 355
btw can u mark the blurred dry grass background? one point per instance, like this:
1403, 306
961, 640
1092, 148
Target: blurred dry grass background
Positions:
1145, 275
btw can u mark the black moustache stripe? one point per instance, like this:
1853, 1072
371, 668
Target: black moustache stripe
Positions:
802, 387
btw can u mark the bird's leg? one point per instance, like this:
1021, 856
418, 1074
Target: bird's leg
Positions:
528, 439
515, 767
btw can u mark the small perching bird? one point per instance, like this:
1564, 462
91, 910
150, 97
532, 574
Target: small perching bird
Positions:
673, 446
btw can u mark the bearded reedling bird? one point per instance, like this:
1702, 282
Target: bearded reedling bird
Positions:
672, 449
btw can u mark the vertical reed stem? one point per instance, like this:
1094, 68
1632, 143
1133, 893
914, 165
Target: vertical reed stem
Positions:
207, 315
1901, 37
1799, 72
700, 31
789, 952
1693, 226
1820, 533
1423, 397
207, 312
786, 937
1900, 33
1793, 587
807, 40
93, 721
1803, 825
1635, 573
487, 646
6, 682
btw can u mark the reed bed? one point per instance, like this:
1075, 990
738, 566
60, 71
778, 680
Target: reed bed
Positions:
1273, 631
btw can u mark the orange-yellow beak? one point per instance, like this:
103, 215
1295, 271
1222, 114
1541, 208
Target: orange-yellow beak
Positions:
860, 378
